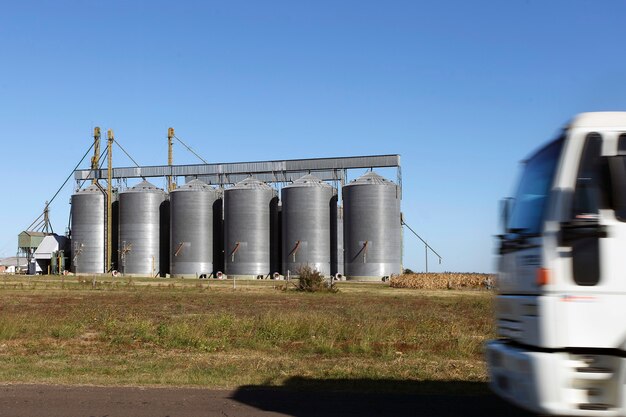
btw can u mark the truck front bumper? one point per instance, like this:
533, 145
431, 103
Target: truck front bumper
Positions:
556, 383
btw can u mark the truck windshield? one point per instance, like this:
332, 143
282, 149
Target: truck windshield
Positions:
530, 200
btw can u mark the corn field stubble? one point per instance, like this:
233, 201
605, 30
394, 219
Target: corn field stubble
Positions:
188, 333
443, 281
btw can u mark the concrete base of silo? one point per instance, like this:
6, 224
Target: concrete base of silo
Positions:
246, 277
191, 276
295, 276
368, 279
139, 276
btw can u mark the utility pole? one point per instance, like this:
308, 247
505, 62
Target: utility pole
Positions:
46, 219
109, 198
95, 159
170, 158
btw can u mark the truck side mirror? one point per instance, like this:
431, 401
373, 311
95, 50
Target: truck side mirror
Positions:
506, 204
580, 229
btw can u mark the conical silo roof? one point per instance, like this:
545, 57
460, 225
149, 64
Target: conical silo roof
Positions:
250, 183
91, 189
195, 185
371, 178
144, 187
308, 181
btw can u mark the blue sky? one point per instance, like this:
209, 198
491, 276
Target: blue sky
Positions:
462, 90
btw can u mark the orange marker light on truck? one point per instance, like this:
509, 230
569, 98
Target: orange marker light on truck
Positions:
543, 276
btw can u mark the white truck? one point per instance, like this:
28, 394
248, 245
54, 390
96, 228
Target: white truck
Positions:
561, 302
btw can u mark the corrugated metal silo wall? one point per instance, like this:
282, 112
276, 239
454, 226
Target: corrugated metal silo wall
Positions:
115, 232
143, 236
218, 234
88, 232
279, 240
247, 231
307, 214
372, 216
164, 238
336, 228
275, 239
191, 231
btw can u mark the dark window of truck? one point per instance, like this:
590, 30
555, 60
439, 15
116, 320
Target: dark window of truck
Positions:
588, 198
530, 201
617, 189
588, 193
621, 144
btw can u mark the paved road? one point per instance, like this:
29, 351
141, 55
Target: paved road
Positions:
53, 401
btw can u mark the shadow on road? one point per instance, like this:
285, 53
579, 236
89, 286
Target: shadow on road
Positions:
302, 397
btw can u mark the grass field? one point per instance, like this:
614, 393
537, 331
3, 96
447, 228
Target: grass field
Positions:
205, 333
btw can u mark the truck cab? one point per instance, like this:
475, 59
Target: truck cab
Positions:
560, 307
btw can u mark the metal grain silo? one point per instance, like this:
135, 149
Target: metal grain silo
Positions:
308, 208
88, 231
191, 229
372, 229
249, 210
277, 247
336, 260
143, 231
218, 233
115, 230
